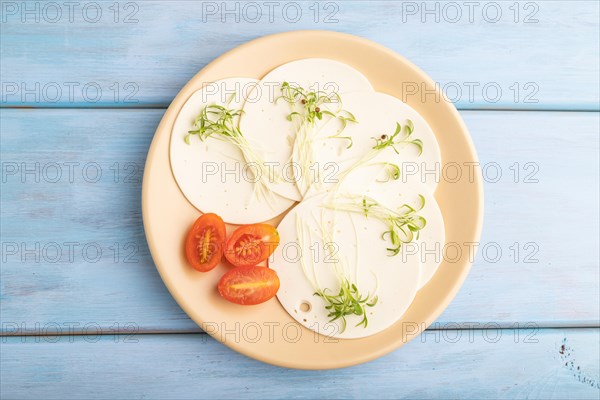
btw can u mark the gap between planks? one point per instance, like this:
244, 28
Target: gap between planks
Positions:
433, 327
549, 108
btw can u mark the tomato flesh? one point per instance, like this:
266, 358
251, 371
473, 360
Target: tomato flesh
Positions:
249, 285
250, 245
205, 242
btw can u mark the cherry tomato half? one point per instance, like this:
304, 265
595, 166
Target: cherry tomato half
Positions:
205, 241
249, 245
249, 285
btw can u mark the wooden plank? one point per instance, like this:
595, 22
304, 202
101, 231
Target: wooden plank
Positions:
553, 282
444, 364
532, 55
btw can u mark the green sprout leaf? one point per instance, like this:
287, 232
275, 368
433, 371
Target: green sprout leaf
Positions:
400, 136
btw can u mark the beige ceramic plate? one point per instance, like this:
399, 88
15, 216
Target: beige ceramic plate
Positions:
266, 332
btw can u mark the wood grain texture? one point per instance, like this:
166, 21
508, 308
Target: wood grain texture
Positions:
546, 57
551, 280
539, 55
448, 364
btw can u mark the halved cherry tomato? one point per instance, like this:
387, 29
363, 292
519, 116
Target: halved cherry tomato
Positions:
249, 245
205, 242
249, 285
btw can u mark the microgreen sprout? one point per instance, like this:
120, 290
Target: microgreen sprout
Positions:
312, 104
215, 120
383, 142
308, 107
348, 301
403, 224
400, 136
218, 122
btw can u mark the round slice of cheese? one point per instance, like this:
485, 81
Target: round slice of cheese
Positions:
265, 119
378, 115
428, 247
320, 248
213, 174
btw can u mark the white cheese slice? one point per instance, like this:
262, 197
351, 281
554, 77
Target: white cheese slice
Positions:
213, 174
377, 114
265, 122
357, 244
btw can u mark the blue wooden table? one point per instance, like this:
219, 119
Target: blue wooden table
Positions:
84, 312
